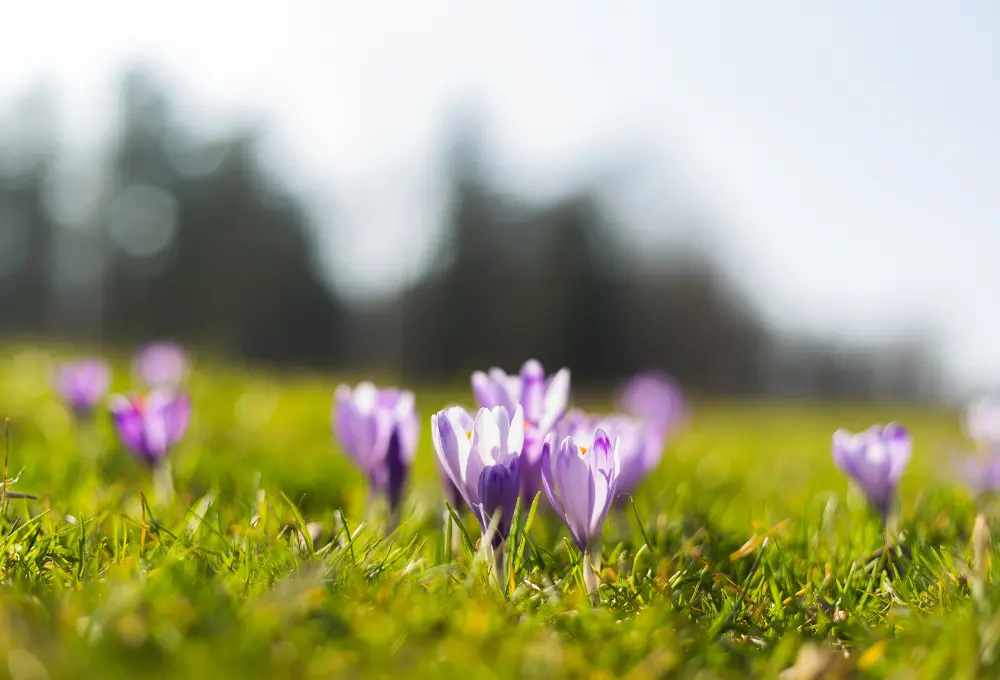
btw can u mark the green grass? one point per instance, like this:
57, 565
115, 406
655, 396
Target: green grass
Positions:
216, 583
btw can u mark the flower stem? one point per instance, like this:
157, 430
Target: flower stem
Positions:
591, 569
499, 562
163, 483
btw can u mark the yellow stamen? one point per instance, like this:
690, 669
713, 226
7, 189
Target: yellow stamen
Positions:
583, 451
469, 435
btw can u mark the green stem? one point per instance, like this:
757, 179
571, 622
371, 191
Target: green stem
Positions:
592, 569
499, 562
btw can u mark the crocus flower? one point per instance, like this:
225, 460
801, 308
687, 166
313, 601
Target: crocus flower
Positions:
639, 448
639, 444
543, 400
982, 473
378, 428
481, 457
982, 422
161, 364
580, 479
656, 399
83, 384
875, 459
151, 425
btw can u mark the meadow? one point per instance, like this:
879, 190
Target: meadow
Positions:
747, 553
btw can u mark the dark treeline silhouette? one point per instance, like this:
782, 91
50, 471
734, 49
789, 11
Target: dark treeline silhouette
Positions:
172, 234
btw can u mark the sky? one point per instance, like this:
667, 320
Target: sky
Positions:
846, 154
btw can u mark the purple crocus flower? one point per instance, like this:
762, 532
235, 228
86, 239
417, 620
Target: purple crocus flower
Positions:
161, 364
875, 459
656, 399
580, 482
982, 473
639, 446
543, 400
481, 457
83, 384
378, 428
982, 422
151, 425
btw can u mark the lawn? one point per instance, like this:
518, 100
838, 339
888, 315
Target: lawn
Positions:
110, 575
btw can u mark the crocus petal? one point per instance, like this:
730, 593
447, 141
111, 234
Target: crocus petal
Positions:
513, 438
507, 389
452, 448
982, 421
176, 417
128, 422
498, 485
482, 390
655, 398
900, 448
843, 450
161, 364
460, 418
396, 470
548, 481
486, 434
556, 398
576, 490
533, 390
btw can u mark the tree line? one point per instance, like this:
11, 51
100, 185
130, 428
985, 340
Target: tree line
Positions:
174, 233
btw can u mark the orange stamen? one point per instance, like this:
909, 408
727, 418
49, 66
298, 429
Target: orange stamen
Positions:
469, 435
583, 450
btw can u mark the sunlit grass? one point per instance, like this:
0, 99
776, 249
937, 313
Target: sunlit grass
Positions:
745, 545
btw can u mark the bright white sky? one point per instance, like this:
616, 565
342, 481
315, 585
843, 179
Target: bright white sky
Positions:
849, 152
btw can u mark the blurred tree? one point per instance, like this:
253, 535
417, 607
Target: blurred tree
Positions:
27, 151
197, 241
213, 253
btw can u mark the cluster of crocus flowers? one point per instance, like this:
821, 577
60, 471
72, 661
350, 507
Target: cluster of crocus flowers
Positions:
543, 400
875, 459
149, 425
651, 408
83, 385
378, 429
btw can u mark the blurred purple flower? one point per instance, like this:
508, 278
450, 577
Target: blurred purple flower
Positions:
656, 399
982, 421
580, 482
378, 428
543, 400
151, 425
481, 457
982, 473
639, 448
83, 384
161, 364
875, 459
